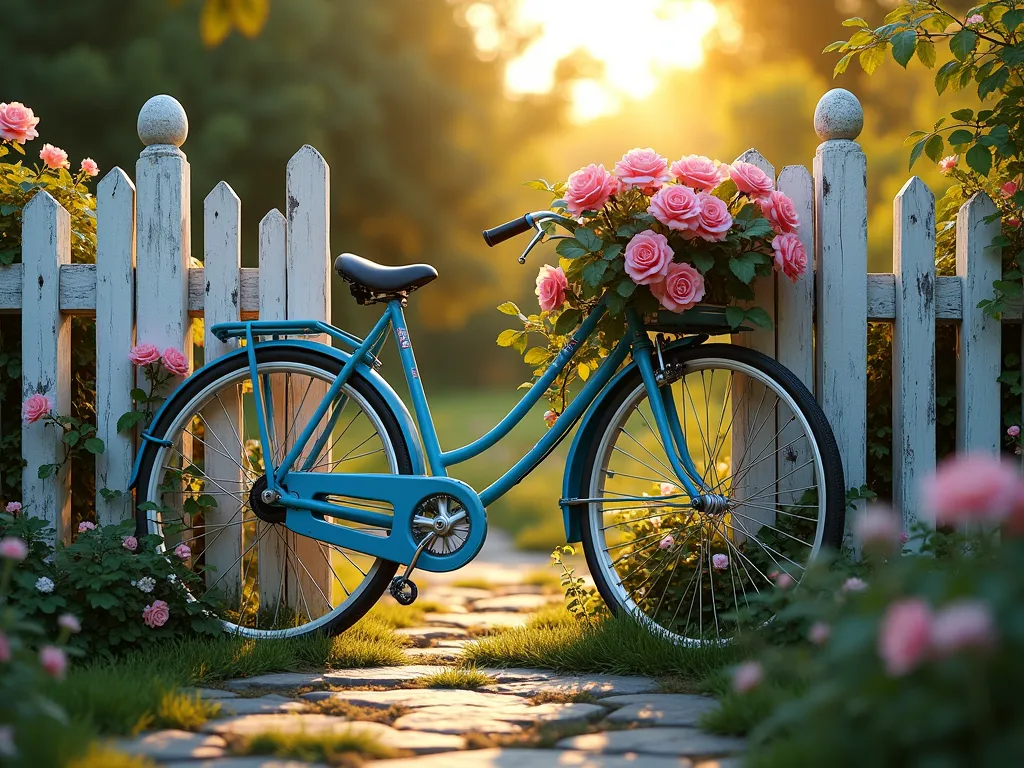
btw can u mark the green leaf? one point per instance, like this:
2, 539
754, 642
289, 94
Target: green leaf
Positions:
506, 338
129, 420
570, 248
856, 21
926, 52
945, 72
833, 47
1013, 55
46, 470
903, 45
583, 370
625, 288
760, 318
589, 239
71, 438
872, 58
933, 147
725, 191
612, 251
743, 267
961, 136
138, 395
568, 320
206, 501
702, 261
843, 64
536, 356
94, 445
594, 271
539, 184
734, 316
979, 159
963, 43
1012, 19
509, 308
994, 82
963, 115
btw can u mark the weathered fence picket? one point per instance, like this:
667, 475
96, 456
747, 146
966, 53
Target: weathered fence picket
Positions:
144, 289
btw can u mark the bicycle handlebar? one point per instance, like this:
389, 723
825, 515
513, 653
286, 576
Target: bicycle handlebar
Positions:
525, 223
508, 230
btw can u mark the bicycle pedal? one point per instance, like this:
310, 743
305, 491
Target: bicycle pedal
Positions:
404, 590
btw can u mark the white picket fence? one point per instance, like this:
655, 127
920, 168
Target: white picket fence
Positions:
143, 289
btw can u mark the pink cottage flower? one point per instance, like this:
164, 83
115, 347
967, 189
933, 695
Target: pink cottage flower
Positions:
697, 171
13, 548
54, 157
551, 286
648, 257
963, 625
13, 507
747, 676
35, 407
144, 354
588, 189
751, 180
905, 635
819, 633
643, 168
155, 616
790, 255
854, 584
877, 528
667, 489
5, 648
784, 580
17, 123
947, 164
69, 622
550, 417
1009, 189
130, 543
175, 361
85, 525
683, 287
972, 488
667, 542
677, 207
715, 219
1013, 431
89, 167
54, 661
975, 20
183, 552
780, 212
720, 562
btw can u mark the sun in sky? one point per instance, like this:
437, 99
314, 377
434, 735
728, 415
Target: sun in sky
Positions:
636, 41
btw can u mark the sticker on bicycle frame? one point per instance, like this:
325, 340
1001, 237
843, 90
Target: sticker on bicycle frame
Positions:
570, 346
415, 373
403, 338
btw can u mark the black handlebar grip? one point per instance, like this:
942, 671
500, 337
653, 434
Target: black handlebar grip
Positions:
506, 231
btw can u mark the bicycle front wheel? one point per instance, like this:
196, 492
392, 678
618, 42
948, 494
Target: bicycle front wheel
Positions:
771, 498
204, 476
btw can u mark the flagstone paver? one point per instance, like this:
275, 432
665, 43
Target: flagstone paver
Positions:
533, 758
210, 693
256, 761
433, 655
485, 620
422, 637
656, 741
271, 704
348, 677
418, 697
659, 708
530, 682
516, 603
173, 745
468, 719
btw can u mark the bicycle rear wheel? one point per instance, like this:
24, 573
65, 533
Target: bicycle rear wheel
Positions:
772, 494
205, 481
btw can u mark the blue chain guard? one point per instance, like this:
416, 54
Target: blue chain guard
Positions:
404, 493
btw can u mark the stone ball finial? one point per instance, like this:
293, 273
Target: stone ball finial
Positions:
162, 120
838, 115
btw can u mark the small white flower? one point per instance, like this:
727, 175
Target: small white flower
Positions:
172, 578
44, 584
134, 583
146, 584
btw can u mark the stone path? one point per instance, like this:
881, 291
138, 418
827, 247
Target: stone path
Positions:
587, 721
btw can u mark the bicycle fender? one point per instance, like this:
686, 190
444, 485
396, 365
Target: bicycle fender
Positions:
405, 422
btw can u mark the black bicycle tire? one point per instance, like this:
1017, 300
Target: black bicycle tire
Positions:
301, 355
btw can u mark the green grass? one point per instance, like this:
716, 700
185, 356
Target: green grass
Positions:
473, 582
341, 748
402, 616
101, 756
616, 646
469, 678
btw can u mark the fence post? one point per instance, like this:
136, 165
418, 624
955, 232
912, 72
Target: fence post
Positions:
841, 256
46, 357
913, 347
271, 546
222, 259
309, 297
115, 330
980, 336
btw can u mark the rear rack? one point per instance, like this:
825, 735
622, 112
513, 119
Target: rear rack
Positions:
283, 328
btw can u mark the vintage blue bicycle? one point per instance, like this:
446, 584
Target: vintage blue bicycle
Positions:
698, 474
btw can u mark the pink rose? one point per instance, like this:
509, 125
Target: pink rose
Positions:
697, 171
35, 407
853, 584
144, 354
877, 528
819, 633
720, 562
175, 361
750, 179
1013, 222
155, 616
643, 168
1009, 189
784, 580
17, 122
715, 219
947, 164
551, 286
972, 488
963, 625
89, 167
747, 676
130, 543
5, 648
676, 207
588, 189
1013, 431
780, 212
85, 525
183, 552
54, 157
54, 661
790, 255
13, 507
69, 622
904, 538
550, 417
667, 489
683, 287
905, 635
667, 542
13, 548
648, 256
